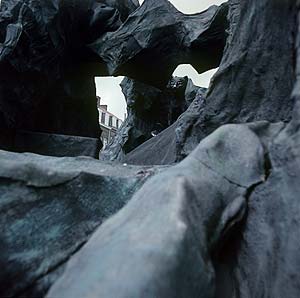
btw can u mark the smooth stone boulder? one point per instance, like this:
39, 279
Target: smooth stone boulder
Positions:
49, 207
56, 145
267, 261
160, 244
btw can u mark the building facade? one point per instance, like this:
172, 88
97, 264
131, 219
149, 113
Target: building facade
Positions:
109, 123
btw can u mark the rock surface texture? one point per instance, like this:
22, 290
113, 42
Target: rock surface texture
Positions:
49, 208
50, 52
47, 72
156, 38
222, 220
252, 83
167, 250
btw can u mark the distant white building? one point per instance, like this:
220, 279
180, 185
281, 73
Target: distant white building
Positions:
109, 123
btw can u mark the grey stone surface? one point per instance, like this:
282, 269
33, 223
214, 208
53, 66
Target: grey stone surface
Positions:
124, 7
49, 207
263, 259
256, 74
160, 150
56, 145
166, 251
267, 261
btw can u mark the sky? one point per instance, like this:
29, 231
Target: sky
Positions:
108, 88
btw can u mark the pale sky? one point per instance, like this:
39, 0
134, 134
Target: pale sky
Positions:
110, 91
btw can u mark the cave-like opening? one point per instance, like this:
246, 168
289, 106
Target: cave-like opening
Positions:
111, 106
201, 80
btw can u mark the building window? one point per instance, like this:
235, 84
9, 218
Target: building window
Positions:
103, 118
117, 123
110, 121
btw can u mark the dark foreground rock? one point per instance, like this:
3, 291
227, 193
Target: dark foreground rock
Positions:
166, 251
49, 208
263, 257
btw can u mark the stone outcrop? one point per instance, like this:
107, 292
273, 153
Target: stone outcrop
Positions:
49, 208
223, 221
150, 111
50, 53
252, 83
47, 71
168, 250
35, 59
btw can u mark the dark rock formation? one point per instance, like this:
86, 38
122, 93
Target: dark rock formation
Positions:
150, 110
262, 259
49, 208
124, 7
224, 222
164, 148
156, 38
251, 84
48, 69
47, 72
168, 250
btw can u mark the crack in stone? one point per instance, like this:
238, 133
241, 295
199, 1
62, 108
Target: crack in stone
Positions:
224, 177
